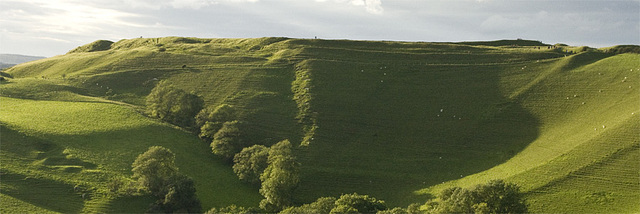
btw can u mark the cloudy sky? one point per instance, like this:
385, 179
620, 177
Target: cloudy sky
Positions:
53, 27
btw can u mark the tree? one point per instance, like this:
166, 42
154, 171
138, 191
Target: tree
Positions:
181, 196
499, 197
227, 141
156, 172
321, 205
250, 163
280, 178
355, 203
154, 168
496, 196
173, 105
233, 209
210, 119
455, 200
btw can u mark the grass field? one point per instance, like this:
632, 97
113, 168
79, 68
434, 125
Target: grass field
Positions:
395, 120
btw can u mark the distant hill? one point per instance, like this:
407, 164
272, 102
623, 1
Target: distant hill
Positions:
8, 60
399, 121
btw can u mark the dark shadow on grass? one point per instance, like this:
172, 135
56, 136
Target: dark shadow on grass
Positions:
47, 194
390, 127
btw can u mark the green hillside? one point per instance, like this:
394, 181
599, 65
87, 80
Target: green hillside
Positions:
395, 120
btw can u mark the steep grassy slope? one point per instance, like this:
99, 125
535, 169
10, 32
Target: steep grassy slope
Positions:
588, 107
48, 147
389, 119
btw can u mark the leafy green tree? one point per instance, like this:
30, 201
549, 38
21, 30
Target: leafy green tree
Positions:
154, 168
227, 141
155, 171
455, 200
250, 163
397, 210
499, 197
355, 203
280, 178
496, 196
232, 209
181, 196
173, 105
322, 205
210, 119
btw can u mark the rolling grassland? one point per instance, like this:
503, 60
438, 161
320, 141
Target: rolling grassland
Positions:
399, 121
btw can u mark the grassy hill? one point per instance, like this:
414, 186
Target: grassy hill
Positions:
395, 120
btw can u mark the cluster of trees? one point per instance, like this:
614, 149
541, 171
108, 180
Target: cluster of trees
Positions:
347, 203
155, 172
496, 196
274, 169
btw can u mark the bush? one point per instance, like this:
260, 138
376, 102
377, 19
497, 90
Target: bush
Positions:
173, 105
250, 163
227, 141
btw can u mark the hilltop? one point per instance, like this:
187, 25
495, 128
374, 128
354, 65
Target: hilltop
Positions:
396, 120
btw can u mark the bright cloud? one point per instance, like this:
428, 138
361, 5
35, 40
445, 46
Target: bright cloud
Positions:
371, 6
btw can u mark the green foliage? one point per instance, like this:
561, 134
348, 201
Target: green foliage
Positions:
232, 209
154, 170
210, 119
496, 196
181, 196
250, 163
355, 203
321, 205
396, 210
280, 178
228, 140
173, 105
